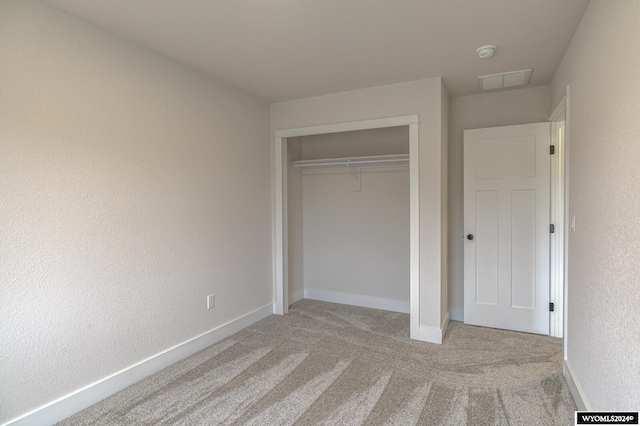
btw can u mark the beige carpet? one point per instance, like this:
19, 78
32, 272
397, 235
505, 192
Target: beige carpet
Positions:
333, 364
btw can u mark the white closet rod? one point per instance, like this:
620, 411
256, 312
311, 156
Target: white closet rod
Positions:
349, 161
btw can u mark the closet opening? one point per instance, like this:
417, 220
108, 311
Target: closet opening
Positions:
347, 215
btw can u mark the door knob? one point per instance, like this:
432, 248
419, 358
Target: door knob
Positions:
470, 237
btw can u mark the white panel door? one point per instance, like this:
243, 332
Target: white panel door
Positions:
506, 222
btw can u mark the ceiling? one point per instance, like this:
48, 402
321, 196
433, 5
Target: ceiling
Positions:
290, 49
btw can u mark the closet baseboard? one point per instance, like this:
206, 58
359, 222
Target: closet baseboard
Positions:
363, 301
296, 296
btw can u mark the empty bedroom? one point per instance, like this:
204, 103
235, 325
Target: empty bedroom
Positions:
353, 212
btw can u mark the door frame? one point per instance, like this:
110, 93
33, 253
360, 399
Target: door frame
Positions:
559, 213
281, 256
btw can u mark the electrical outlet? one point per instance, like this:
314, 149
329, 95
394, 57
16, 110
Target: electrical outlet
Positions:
211, 301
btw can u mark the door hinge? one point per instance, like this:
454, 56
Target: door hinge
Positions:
551, 307
552, 228
552, 149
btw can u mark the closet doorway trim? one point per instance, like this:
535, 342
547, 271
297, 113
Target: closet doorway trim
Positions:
281, 258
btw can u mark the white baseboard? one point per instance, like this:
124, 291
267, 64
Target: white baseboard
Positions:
68, 405
433, 334
296, 296
575, 388
456, 314
383, 303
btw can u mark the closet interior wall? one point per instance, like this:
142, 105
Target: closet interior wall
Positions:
348, 241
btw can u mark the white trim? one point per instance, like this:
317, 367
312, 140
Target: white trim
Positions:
557, 252
433, 334
296, 296
575, 388
456, 314
281, 284
559, 111
379, 123
567, 148
361, 300
414, 233
564, 107
68, 405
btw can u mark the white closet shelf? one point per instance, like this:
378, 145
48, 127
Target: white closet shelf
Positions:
351, 161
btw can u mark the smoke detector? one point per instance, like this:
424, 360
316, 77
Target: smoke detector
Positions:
486, 51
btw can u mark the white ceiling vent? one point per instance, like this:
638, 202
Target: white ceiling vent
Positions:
505, 80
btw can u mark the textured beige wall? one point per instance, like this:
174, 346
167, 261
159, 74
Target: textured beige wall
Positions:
505, 108
131, 188
389, 141
357, 241
601, 65
422, 97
